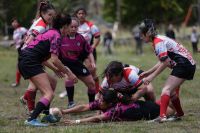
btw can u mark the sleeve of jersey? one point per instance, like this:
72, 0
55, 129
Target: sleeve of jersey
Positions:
95, 31
38, 29
55, 41
113, 113
134, 80
161, 51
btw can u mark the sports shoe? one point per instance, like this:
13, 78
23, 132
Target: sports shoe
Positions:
35, 123
159, 119
174, 118
63, 94
71, 104
48, 118
14, 84
24, 103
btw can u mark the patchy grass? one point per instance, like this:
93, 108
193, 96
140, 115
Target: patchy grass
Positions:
12, 113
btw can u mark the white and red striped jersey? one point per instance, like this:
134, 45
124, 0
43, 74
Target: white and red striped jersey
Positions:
130, 80
18, 35
88, 30
165, 47
38, 27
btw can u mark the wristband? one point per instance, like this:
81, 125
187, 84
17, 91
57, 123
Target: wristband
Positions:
77, 121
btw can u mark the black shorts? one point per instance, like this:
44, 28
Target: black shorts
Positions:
146, 111
30, 67
184, 72
77, 68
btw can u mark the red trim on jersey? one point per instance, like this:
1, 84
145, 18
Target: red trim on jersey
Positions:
138, 83
89, 23
126, 73
156, 41
35, 32
41, 23
162, 54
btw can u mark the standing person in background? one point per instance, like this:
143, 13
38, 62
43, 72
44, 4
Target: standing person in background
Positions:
170, 54
170, 32
18, 37
40, 25
194, 38
91, 34
138, 40
107, 41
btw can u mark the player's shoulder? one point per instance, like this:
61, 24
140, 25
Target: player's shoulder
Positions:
89, 23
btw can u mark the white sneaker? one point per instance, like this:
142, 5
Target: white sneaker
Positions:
159, 119
174, 118
63, 94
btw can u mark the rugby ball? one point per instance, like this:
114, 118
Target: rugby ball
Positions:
56, 112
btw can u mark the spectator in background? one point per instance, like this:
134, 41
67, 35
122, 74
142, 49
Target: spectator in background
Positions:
138, 40
194, 38
170, 32
107, 41
18, 37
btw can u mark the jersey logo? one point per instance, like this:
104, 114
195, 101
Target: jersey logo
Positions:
84, 70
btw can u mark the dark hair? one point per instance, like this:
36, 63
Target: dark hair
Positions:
45, 6
60, 20
114, 68
110, 96
148, 26
77, 10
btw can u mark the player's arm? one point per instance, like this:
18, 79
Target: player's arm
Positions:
58, 64
96, 42
77, 109
96, 118
151, 70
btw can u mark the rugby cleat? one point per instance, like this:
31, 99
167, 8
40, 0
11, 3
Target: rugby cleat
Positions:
35, 123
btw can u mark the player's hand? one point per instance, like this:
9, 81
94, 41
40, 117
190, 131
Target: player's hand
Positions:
144, 74
59, 74
147, 80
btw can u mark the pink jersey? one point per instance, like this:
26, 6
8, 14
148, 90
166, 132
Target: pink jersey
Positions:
88, 30
18, 35
117, 113
73, 47
165, 47
38, 27
130, 80
51, 37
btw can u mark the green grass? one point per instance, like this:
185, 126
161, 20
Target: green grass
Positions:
12, 114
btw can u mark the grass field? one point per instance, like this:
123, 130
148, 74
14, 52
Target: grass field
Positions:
12, 114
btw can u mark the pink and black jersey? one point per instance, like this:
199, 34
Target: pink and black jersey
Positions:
74, 48
18, 35
39, 26
165, 47
44, 44
138, 110
88, 30
96, 105
130, 80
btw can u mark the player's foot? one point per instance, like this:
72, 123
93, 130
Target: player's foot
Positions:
159, 120
71, 104
35, 123
24, 103
63, 94
14, 84
174, 118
